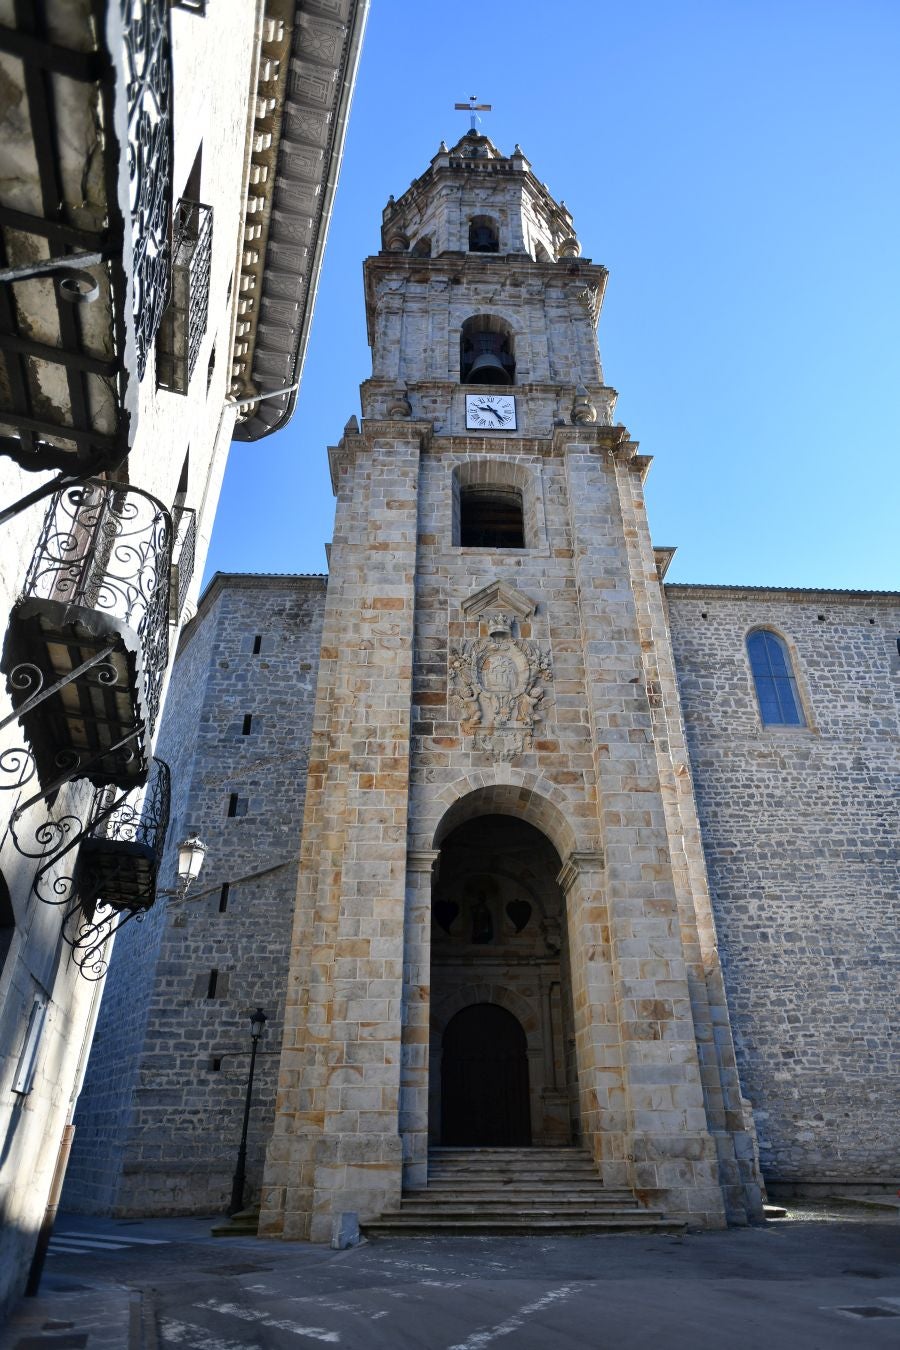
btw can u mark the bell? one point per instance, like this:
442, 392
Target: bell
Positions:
488, 369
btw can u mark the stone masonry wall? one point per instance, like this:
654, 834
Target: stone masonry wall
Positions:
184, 1115
103, 1113
800, 834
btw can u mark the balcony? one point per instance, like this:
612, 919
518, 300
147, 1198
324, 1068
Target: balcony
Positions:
118, 866
183, 325
119, 859
183, 563
86, 255
87, 647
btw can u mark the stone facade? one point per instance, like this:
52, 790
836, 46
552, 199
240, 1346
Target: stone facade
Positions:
593, 761
537, 781
166, 1081
800, 833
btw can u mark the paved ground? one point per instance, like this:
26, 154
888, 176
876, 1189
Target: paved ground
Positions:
821, 1279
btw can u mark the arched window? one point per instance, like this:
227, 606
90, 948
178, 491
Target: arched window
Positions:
773, 675
487, 351
484, 237
422, 247
491, 517
495, 505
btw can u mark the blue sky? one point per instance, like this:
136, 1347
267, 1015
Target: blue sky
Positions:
734, 164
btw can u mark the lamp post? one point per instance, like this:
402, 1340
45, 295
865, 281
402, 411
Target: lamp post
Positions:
258, 1020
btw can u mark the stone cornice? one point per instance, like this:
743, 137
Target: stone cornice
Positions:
504, 268
307, 69
581, 860
392, 429
662, 556
422, 859
791, 594
276, 581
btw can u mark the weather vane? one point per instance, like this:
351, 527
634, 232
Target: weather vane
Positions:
473, 107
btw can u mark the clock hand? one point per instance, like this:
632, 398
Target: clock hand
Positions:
486, 408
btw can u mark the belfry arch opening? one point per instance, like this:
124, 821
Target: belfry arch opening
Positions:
484, 237
487, 351
501, 1056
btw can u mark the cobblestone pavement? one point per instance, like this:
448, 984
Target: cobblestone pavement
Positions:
815, 1281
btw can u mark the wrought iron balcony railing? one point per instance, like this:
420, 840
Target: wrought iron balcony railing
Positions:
182, 563
183, 325
118, 865
87, 648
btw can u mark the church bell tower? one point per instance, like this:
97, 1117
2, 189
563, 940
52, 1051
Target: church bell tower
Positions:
503, 935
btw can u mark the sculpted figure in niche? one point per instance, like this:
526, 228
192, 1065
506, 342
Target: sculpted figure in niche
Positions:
482, 923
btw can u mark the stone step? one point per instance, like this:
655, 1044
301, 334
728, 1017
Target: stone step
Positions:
469, 1208
482, 1191
527, 1158
403, 1225
550, 1166
243, 1224
546, 1199
511, 1169
494, 1177
551, 1189
529, 1151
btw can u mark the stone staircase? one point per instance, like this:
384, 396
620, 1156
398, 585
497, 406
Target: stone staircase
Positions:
484, 1191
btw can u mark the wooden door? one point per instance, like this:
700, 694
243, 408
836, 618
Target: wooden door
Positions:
484, 1080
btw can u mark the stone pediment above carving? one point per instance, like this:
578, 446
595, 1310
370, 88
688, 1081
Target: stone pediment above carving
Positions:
499, 596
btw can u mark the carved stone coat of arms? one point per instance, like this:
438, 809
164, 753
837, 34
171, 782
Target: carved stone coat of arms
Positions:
498, 684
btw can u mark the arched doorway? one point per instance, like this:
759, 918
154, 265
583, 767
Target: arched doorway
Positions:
484, 1080
501, 1059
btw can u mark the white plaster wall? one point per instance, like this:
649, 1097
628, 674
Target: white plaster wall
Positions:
213, 61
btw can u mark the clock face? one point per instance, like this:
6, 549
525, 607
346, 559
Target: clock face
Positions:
491, 412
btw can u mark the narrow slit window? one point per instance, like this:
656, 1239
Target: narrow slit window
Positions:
223, 897
247, 724
213, 982
491, 518
237, 805
257, 644
773, 676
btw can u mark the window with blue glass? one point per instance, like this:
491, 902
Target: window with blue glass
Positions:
773, 675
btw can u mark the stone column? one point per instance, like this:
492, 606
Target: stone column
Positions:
670, 1155
416, 1017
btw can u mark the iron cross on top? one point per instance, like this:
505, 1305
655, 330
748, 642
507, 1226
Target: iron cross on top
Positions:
473, 107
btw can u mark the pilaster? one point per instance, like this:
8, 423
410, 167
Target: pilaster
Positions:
336, 1146
413, 1122
670, 1154
727, 1112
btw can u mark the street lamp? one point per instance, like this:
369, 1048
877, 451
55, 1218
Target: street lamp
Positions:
258, 1020
191, 852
